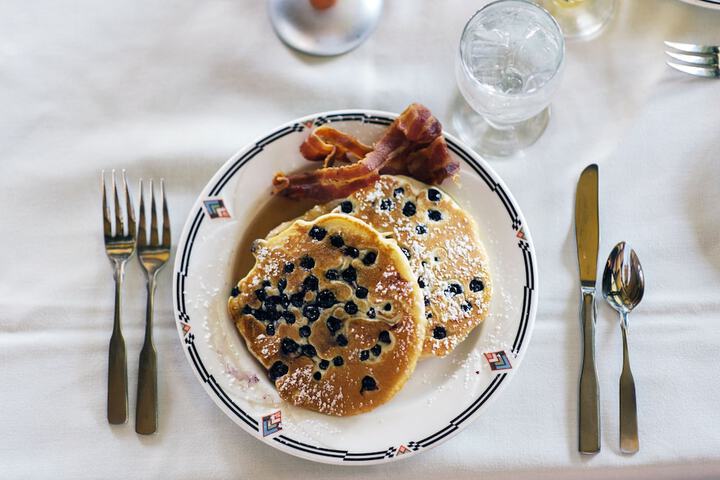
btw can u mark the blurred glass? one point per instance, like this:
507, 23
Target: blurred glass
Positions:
509, 66
581, 19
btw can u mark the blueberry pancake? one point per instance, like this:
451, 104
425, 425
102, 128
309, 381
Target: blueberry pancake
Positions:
442, 244
332, 310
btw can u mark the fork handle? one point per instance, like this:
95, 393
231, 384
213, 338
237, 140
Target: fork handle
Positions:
146, 410
589, 411
117, 397
629, 440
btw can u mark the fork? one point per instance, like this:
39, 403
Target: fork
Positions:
699, 60
119, 246
152, 256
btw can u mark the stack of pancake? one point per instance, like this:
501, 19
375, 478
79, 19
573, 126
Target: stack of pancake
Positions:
343, 301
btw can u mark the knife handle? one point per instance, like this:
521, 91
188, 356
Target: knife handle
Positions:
589, 412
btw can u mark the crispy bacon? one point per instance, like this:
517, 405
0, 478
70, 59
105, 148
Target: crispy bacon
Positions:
329, 145
412, 145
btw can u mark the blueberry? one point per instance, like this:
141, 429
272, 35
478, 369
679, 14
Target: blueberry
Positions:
317, 233
351, 252
368, 384
341, 340
369, 258
324, 364
371, 313
235, 292
277, 370
307, 262
273, 315
305, 331
477, 285
406, 252
386, 204
421, 229
246, 310
427, 301
453, 289
439, 332
259, 314
260, 294
311, 312
288, 346
349, 274
282, 284
361, 292
332, 274
284, 301
308, 350
376, 349
346, 206
428, 315
336, 241
434, 195
409, 209
311, 283
270, 329
398, 192
326, 299
338, 361
421, 282
384, 336
289, 317
272, 301
364, 355
317, 375
333, 324
289, 267
466, 307
351, 308
434, 215
266, 283
387, 307
297, 299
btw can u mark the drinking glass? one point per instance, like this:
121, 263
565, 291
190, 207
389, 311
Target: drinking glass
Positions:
581, 19
508, 68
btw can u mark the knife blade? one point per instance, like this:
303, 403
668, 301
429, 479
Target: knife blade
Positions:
587, 235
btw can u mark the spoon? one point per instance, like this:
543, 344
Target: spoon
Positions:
623, 285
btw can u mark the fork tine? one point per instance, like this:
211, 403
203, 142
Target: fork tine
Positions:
119, 225
689, 47
695, 70
142, 232
153, 217
708, 60
129, 207
166, 240
107, 226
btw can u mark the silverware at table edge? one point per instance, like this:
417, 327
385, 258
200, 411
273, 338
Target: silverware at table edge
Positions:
623, 285
587, 233
119, 247
152, 256
697, 60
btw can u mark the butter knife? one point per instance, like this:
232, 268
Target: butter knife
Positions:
587, 235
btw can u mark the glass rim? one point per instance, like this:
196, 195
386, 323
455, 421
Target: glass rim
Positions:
531, 4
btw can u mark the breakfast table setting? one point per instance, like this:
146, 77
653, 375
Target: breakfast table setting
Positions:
354, 238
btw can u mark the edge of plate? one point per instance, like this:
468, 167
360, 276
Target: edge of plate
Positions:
517, 360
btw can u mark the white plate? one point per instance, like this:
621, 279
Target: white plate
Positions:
441, 398
712, 4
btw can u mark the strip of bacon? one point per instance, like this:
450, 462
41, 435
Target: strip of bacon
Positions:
329, 145
411, 145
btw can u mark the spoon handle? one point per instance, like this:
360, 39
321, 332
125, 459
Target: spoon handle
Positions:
629, 441
589, 411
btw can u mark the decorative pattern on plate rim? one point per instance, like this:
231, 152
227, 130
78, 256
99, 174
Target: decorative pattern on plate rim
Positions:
323, 454
215, 208
271, 424
498, 360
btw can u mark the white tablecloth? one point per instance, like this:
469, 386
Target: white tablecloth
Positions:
173, 88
